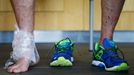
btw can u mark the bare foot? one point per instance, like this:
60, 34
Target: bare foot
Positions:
21, 65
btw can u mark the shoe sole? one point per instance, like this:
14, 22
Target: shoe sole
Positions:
121, 67
61, 61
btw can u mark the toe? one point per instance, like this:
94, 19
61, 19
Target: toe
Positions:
16, 70
11, 68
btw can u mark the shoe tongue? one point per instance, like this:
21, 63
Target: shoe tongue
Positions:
64, 43
108, 43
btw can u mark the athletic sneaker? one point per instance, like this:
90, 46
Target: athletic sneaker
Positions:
63, 55
107, 57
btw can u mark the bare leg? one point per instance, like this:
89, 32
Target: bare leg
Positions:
111, 10
24, 14
25, 19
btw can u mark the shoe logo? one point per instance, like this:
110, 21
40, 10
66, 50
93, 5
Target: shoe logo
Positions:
98, 55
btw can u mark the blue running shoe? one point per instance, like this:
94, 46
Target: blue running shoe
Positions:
63, 55
107, 57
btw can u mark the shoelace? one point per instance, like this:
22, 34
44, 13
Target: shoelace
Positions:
123, 57
115, 53
59, 50
73, 45
62, 49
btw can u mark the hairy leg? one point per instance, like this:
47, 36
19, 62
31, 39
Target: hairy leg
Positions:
111, 10
25, 19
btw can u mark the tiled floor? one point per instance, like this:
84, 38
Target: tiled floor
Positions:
82, 62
